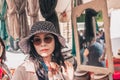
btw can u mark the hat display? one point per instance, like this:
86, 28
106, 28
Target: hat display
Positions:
40, 27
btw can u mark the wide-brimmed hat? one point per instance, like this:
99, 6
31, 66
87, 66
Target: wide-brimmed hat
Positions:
40, 27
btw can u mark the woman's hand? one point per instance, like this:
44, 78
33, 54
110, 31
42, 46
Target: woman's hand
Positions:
53, 69
68, 72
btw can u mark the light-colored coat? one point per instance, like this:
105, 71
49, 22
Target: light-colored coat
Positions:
26, 71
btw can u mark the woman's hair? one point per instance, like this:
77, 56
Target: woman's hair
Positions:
89, 31
82, 41
56, 56
3, 57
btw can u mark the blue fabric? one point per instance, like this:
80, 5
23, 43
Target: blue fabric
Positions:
73, 43
3, 31
95, 52
44, 66
82, 55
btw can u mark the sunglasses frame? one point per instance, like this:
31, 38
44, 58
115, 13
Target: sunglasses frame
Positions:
47, 39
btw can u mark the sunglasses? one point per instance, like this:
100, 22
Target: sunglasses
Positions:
47, 39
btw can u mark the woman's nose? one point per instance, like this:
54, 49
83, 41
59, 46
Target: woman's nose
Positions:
43, 43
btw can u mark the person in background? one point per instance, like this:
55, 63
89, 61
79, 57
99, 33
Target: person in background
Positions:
5, 73
45, 62
94, 52
82, 48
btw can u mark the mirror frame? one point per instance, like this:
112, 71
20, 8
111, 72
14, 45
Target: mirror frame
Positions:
97, 5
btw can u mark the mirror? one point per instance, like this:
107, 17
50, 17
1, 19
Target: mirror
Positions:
91, 38
86, 19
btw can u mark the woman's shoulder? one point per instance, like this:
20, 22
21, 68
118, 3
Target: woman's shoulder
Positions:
25, 71
27, 65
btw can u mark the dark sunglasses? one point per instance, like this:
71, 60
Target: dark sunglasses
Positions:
47, 39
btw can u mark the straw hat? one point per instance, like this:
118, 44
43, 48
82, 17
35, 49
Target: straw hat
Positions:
38, 27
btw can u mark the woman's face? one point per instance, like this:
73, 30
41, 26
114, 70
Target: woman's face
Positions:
44, 44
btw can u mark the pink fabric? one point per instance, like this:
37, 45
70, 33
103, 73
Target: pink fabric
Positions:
116, 75
1, 72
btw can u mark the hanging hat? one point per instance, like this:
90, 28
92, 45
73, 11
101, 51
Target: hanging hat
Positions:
40, 27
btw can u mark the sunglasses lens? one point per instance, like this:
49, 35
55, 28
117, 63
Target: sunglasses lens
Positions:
48, 39
37, 41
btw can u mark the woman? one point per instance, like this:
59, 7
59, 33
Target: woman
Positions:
4, 71
95, 53
45, 61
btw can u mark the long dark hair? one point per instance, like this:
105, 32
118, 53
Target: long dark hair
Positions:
3, 57
56, 57
89, 32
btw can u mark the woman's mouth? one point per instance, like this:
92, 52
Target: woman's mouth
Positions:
44, 50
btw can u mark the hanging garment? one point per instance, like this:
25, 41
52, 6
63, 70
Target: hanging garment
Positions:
47, 8
65, 14
3, 31
73, 43
64, 17
115, 25
12, 19
32, 11
1, 4
21, 13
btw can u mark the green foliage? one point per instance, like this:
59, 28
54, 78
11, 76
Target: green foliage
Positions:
99, 17
81, 18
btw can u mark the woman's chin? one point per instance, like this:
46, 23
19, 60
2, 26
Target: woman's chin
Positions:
44, 55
